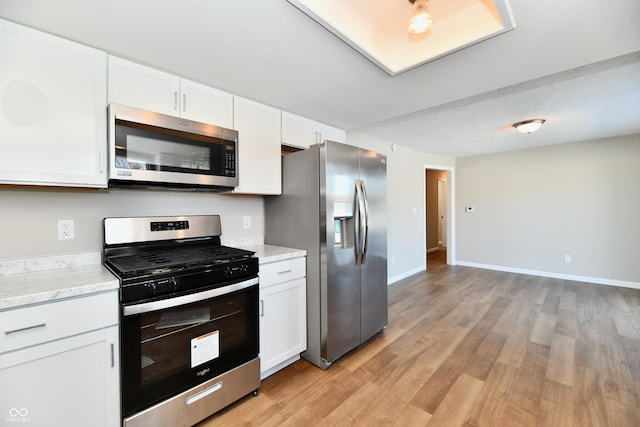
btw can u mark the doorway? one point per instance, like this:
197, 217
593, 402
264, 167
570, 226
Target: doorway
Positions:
436, 217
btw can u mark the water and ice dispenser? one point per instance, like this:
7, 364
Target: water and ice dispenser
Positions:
343, 225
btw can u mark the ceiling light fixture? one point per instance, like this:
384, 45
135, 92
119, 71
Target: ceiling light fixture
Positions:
421, 21
528, 126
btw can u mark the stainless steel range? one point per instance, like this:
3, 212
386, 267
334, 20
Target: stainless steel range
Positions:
189, 318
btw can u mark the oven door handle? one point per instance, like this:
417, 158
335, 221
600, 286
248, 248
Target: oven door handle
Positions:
130, 310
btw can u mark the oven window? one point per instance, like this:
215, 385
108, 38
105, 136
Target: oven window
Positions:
173, 349
186, 337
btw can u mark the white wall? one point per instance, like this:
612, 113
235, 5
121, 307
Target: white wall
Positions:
534, 206
29, 217
405, 192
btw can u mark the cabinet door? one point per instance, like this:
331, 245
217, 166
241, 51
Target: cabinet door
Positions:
143, 87
301, 132
283, 322
53, 93
298, 131
205, 104
259, 162
331, 134
69, 382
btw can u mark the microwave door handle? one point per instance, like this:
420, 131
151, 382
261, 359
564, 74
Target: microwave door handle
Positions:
130, 310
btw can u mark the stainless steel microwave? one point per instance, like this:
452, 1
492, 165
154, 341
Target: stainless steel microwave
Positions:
152, 150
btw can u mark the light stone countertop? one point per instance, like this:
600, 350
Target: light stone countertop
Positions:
270, 253
24, 289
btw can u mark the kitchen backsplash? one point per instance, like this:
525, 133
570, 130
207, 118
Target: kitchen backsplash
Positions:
30, 219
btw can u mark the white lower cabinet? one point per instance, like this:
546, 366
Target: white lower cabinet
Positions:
55, 369
283, 314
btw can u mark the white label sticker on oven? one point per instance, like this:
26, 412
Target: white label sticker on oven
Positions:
205, 348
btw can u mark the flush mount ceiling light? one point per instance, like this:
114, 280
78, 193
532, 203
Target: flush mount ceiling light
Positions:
421, 21
528, 126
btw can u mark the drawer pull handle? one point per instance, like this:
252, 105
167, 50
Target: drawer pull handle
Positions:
204, 393
284, 271
26, 328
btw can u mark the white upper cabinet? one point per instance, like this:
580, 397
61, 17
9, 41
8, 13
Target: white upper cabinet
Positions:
143, 87
259, 161
331, 133
53, 122
205, 104
298, 131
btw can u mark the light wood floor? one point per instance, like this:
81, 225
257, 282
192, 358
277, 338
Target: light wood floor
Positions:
471, 347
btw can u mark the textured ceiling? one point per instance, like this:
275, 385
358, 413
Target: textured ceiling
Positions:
556, 64
594, 101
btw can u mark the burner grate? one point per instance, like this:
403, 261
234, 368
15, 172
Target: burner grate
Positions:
154, 259
177, 258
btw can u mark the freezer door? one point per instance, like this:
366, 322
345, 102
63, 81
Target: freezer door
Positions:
340, 289
374, 305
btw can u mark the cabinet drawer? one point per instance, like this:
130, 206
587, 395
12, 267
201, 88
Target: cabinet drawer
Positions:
29, 326
282, 271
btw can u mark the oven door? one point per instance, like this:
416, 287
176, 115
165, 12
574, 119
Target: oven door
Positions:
171, 345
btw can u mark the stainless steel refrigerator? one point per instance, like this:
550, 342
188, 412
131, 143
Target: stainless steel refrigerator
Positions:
333, 204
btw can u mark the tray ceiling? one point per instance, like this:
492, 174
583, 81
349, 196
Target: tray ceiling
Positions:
378, 29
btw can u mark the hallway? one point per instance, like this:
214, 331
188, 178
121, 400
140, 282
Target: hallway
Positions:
436, 260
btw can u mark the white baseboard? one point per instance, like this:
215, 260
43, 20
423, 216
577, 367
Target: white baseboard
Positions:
436, 249
587, 279
394, 279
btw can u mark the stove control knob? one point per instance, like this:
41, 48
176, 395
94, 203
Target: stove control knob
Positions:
151, 288
173, 285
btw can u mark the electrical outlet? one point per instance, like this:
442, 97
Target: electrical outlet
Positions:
66, 229
246, 221
567, 258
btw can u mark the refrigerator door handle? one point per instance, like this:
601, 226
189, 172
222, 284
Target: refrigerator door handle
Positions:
360, 223
356, 224
365, 203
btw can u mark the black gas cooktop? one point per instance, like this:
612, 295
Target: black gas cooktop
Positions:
141, 262
161, 257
